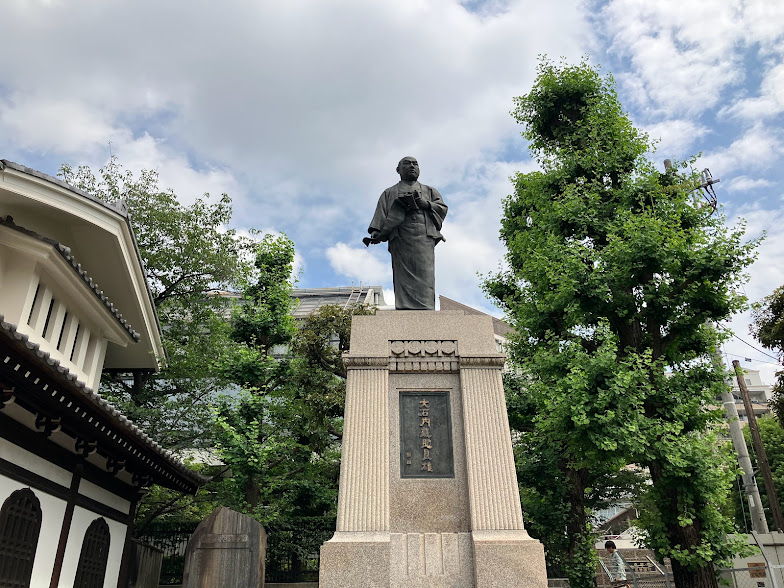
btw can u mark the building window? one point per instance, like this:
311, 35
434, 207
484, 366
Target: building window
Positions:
91, 570
20, 525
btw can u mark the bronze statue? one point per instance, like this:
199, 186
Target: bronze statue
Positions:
409, 216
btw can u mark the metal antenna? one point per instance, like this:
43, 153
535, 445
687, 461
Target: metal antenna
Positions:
706, 188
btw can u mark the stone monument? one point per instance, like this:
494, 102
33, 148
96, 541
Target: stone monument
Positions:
428, 491
226, 549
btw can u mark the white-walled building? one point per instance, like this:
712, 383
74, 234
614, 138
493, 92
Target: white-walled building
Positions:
759, 393
74, 301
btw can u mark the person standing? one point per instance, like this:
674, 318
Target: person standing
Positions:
617, 565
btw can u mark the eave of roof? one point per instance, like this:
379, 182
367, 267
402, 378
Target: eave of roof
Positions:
115, 418
65, 253
118, 208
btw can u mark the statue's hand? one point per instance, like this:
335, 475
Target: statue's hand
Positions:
421, 203
373, 239
407, 200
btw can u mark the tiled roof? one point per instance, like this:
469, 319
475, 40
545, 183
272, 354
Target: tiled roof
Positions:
65, 252
115, 417
118, 207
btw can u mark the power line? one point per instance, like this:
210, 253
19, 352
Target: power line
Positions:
747, 358
754, 348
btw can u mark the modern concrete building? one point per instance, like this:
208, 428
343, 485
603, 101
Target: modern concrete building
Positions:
309, 300
74, 301
759, 393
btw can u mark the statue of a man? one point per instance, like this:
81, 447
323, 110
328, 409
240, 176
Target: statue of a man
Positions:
409, 217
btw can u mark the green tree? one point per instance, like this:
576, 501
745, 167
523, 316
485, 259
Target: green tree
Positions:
189, 255
772, 435
768, 328
546, 489
253, 437
613, 271
280, 435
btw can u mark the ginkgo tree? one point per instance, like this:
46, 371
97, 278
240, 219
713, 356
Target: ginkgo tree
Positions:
613, 271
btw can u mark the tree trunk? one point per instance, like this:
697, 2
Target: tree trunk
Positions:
578, 481
700, 578
687, 537
252, 491
582, 573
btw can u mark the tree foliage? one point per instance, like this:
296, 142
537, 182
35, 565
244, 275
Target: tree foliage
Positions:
280, 434
772, 435
613, 271
189, 254
547, 488
768, 328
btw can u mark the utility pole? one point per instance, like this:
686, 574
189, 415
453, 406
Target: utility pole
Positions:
758, 522
759, 449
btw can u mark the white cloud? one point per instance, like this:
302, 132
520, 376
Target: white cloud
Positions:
681, 53
684, 53
323, 92
769, 102
743, 183
359, 265
56, 124
757, 149
675, 137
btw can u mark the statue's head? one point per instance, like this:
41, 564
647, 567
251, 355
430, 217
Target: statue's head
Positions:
408, 168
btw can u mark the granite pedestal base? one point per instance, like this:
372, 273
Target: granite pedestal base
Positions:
428, 491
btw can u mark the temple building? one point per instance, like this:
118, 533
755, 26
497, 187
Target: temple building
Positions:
74, 301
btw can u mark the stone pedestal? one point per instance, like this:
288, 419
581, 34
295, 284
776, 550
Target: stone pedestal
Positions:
428, 491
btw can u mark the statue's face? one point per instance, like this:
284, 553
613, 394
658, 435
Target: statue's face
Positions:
408, 168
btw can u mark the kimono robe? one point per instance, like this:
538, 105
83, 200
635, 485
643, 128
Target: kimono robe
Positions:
412, 236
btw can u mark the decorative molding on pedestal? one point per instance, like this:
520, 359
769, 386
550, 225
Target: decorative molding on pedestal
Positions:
358, 363
482, 361
428, 356
423, 348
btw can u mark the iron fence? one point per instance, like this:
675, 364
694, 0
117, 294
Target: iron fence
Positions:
292, 548
172, 541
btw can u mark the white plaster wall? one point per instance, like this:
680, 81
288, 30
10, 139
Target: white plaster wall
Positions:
52, 512
35, 464
773, 545
103, 496
81, 520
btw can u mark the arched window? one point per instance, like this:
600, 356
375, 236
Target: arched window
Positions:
91, 570
20, 524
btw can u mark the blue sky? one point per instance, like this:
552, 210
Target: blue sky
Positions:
300, 109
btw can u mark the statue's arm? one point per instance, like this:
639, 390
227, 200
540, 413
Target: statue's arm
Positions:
378, 222
437, 207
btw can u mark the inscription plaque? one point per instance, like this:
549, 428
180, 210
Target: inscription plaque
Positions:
426, 435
